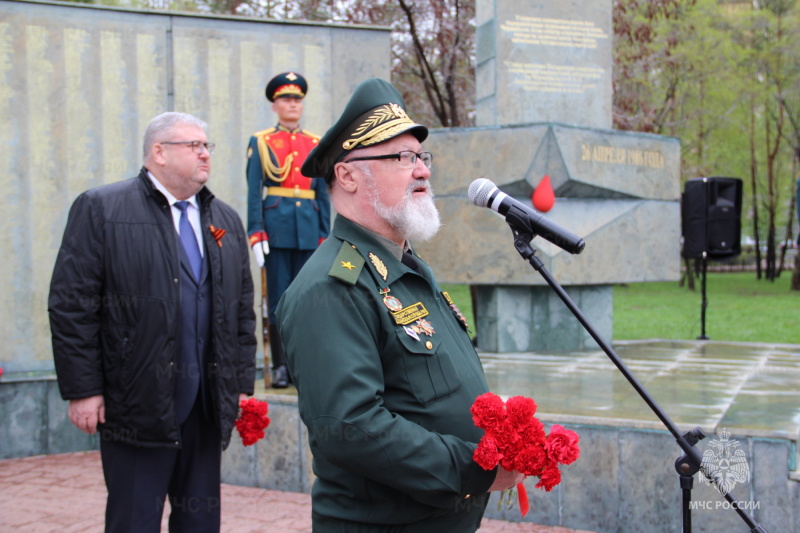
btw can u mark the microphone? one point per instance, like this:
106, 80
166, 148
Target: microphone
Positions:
484, 193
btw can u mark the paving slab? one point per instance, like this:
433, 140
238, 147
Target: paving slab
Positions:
65, 493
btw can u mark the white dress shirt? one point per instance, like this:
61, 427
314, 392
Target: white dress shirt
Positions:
193, 212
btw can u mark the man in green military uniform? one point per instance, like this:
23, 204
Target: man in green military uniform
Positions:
386, 372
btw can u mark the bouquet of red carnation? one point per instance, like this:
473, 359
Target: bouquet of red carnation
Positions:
515, 439
252, 421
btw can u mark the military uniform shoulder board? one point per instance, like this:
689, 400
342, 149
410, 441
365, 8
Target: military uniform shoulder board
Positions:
348, 264
267, 131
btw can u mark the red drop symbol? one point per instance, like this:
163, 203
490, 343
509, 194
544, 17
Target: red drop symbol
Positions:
543, 197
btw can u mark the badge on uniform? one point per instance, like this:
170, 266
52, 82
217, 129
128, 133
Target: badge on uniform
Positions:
423, 326
410, 314
411, 333
390, 301
380, 267
456, 311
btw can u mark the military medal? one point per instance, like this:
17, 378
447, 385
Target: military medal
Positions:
411, 333
390, 301
423, 326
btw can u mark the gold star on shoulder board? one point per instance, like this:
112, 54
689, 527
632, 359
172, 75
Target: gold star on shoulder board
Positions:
347, 264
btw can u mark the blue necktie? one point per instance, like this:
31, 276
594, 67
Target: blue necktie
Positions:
189, 240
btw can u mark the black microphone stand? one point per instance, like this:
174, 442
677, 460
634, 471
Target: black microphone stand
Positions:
703, 336
686, 465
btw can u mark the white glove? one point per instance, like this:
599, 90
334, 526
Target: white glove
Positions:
261, 249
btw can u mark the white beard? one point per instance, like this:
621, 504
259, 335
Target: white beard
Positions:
415, 219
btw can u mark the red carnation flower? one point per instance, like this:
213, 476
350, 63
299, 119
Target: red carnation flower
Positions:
508, 436
534, 432
488, 411
486, 454
516, 440
520, 410
550, 477
562, 445
531, 460
252, 421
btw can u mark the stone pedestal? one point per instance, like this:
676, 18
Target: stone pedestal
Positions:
544, 109
534, 319
619, 191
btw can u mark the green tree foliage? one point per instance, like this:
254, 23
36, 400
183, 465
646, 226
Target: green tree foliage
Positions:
723, 78
771, 28
676, 73
432, 48
432, 53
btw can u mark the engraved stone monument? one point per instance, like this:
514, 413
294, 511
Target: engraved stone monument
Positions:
544, 109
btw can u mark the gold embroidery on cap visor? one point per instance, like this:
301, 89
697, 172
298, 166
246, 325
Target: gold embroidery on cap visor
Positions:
288, 89
384, 123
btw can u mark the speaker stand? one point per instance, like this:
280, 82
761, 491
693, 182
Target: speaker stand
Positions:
703, 336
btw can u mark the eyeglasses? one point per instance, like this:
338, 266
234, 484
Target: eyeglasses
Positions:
407, 158
197, 146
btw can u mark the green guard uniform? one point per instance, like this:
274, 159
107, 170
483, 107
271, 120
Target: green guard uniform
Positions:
385, 382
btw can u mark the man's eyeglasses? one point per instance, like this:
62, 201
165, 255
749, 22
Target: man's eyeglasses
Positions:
197, 146
407, 158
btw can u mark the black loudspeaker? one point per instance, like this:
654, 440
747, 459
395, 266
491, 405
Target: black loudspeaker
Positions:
711, 217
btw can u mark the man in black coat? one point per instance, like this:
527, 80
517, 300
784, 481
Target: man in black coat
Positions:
151, 313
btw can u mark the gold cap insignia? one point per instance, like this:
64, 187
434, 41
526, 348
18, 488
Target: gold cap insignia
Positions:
383, 123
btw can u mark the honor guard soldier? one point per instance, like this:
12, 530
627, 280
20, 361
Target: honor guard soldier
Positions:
288, 214
381, 358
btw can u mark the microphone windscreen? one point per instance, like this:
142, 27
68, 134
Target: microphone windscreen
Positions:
479, 191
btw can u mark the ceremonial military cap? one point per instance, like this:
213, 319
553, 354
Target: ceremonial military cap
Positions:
289, 84
375, 113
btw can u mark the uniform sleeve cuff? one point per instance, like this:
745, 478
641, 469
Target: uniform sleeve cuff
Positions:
477, 480
257, 237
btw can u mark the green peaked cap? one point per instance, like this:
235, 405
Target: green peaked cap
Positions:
375, 113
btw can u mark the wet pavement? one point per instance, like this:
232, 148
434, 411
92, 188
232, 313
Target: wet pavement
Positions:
750, 388
64, 493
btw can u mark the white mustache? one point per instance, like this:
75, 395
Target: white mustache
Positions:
419, 184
